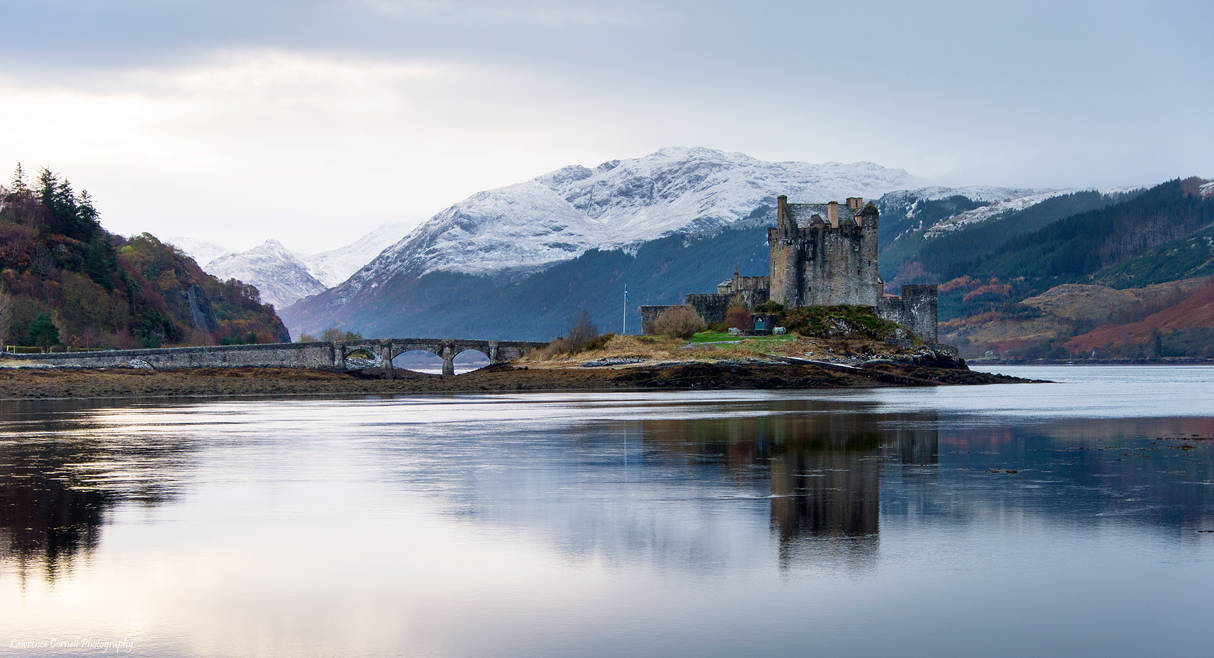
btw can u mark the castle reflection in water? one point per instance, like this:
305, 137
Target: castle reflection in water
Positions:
689, 483
825, 470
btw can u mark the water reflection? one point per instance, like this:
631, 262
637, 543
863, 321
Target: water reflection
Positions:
63, 470
823, 470
741, 523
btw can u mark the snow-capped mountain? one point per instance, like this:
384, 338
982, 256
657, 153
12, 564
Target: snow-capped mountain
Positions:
334, 266
913, 200
279, 275
963, 219
560, 215
201, 251
275, 270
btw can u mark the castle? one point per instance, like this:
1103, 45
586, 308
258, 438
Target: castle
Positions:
822, 254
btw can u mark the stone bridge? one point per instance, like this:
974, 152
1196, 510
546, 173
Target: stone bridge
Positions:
498, 351
320, 355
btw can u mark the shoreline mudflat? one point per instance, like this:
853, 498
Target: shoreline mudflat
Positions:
24, 384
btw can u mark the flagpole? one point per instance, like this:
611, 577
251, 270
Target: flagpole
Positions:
624, 331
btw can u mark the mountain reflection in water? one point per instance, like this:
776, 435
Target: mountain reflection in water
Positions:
701, 522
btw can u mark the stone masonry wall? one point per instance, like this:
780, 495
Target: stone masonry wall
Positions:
277, 355
916, 310
289, 355
711, 307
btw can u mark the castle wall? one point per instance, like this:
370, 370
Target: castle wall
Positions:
649, 314
738, 284
916, 310
784, 277
711, 307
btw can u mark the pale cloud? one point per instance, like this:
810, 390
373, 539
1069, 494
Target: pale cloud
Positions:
257, 144
312, 121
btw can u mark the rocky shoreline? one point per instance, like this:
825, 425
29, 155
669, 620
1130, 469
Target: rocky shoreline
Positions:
45, 383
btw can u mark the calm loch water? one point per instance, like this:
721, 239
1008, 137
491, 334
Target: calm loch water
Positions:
1073, 518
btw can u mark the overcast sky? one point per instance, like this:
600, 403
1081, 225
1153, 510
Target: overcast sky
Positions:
314, 121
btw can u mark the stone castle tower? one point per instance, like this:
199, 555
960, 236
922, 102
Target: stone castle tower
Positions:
823, 254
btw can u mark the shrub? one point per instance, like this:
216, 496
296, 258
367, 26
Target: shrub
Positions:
770, 306
581, 332
679, 321
334, 334
838, 322
737, 317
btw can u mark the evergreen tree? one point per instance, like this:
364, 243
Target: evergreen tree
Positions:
85, 210
19, 184
43, 332
48, 184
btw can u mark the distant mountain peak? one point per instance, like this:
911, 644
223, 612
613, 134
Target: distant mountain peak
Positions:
561, 214
280, 276
618, 204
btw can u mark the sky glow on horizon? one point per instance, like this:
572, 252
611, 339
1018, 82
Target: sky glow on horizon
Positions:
234, 122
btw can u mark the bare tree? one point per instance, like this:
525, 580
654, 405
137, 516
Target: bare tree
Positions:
581, 331
6, 315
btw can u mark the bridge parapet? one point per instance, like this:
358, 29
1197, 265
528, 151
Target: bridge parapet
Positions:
286, 355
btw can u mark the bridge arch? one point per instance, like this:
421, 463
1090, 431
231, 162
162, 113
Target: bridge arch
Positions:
417, 360
471, 357
384, 351
359, 358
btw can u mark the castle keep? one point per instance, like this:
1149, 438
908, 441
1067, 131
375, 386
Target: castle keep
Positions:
822, 254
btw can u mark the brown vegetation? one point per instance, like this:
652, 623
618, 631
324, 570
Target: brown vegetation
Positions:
65, 277
679, 322
737, 316
582, 335
1071, 320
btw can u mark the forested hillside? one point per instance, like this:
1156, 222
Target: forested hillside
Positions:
914, 258
1127, 280
65, 281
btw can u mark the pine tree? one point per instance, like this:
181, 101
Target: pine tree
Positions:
43, 332
19, 184
48, 184
86, 212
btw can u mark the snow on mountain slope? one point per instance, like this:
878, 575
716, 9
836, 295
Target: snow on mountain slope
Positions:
983, 193
1207, 189
961, 220
278, 274
201, 251
334, 266
913, 200
560, 215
